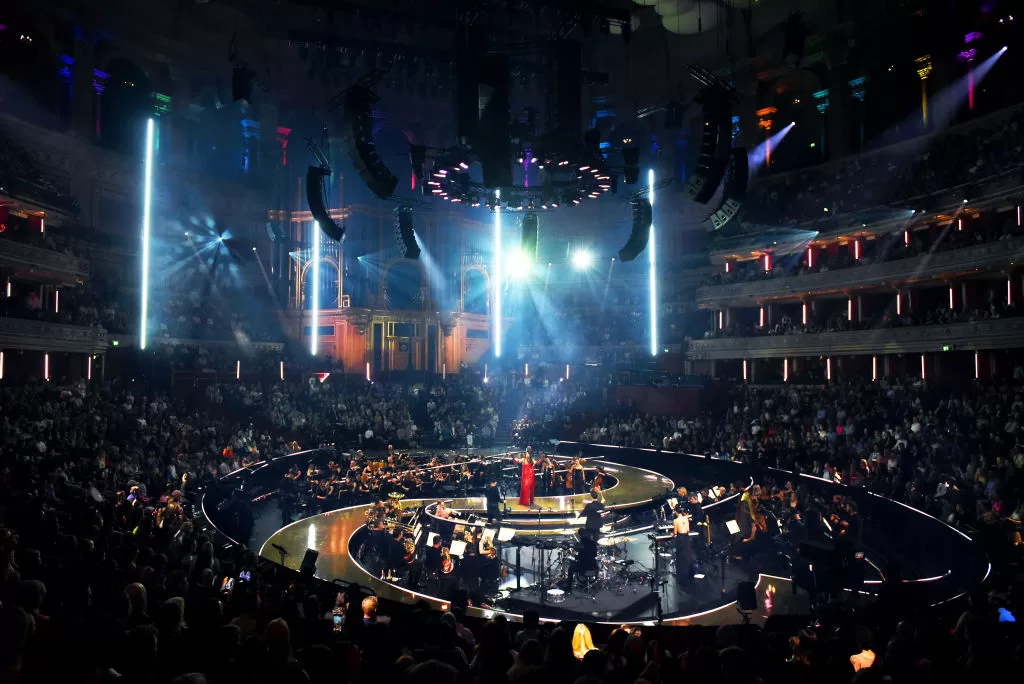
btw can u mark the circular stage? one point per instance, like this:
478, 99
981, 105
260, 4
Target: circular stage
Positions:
534, 547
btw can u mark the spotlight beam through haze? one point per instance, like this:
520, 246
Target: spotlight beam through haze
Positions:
496, 280
314, 337
147, 204
762, 153
651, 250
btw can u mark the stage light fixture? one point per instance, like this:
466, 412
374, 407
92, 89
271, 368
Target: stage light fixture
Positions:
520, 265
582, 260
404, 233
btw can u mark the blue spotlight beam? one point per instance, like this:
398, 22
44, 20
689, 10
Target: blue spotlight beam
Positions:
496, 283
651, 253
314, 337
147, 205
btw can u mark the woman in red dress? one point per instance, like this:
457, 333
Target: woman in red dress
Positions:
526, 480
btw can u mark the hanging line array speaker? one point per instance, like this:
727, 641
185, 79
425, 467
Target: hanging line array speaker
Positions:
643, 216
316, 198
735, 189
715, 143
531, 236
358, 140
404, 233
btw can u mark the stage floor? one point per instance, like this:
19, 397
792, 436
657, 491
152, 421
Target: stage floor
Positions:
709, 600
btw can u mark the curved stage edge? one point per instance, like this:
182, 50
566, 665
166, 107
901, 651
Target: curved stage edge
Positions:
939, 563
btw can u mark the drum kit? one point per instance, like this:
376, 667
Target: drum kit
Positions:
614, 572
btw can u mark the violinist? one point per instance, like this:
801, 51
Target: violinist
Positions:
548, 478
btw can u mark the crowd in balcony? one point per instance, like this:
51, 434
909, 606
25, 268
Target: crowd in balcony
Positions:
894, 177
963, 231
989, 304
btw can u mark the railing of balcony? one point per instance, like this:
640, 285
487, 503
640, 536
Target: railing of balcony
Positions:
992, 334
967, 259
57, 262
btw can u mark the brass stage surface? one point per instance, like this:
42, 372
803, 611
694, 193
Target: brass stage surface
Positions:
331, 534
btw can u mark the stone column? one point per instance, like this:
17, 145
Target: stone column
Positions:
83, 112
858, 88
924, 70
822, 102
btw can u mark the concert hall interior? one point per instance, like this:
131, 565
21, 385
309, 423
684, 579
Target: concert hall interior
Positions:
472, 341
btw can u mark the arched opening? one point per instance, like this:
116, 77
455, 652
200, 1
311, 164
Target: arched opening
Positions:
126, 106
404, 286
474, 299
328, 287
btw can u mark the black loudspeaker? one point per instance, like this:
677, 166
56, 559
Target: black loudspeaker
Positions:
241, 83
316, 198
631, 165
491, 141
735, 188
358, 139
715, 143
531, 236
746, 596
643, 215
404, 233
308, 566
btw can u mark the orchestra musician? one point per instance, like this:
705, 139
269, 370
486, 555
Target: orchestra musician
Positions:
493, 495
598, 484
575, 479
548, 484
527, 483
684, 548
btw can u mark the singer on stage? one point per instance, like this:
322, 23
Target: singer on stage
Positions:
526, 479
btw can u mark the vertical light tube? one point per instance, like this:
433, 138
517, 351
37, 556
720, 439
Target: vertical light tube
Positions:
803, 314
761, 324
977, 367
368, 372
1018, 215
785, 370
1, 365
444, 371
56, 301
314, 318
526, 370
744, 370
906, 238
280, 370
849, 309
768, 262
88, 367
721, 320
899, 304
46, 367
874, 369
959, 224
42, 225
922, 367
810, 257
728, 264
238, 369
8, 287
147, 207
566, 371
496, 282
856, 250
1009, 291
828, 369
653, 275
951, 297
486, 376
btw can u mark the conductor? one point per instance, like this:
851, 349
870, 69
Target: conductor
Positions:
592, 516
493, 494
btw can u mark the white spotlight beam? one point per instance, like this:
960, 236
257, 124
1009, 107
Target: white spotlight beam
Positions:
314, 337
651, 254
147, 204
496, 281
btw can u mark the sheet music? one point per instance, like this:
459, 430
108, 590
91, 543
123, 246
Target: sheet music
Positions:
458, 548
505, 534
